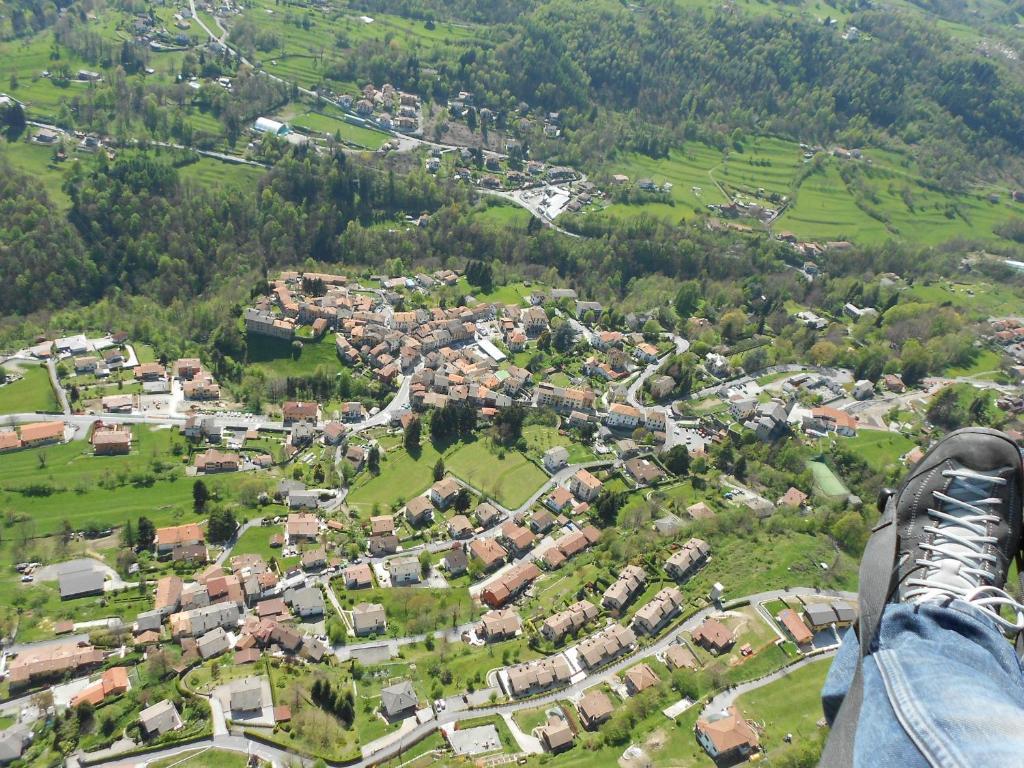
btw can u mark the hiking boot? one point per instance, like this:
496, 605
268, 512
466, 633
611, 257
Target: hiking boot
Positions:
959, 519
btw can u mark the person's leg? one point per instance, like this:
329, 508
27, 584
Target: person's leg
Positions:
942, 686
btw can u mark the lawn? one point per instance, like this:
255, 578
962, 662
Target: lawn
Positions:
29, 394
790, 705
274, 356
401, 478
825, 479
204, 758
528, 719
507, 476
256, 541
539, 438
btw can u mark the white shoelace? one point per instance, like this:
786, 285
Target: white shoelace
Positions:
956, 560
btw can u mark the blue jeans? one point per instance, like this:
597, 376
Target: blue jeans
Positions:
944, 688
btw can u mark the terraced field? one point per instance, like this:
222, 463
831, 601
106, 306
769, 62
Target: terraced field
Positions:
878, 198
309, 38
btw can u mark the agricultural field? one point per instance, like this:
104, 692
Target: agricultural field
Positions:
305, 36
872, 200
51, 485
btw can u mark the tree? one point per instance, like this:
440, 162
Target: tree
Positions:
424, 564
562, 338
677, 460
147, 533
200, 495
412, 436
373, 460
128, 534
687, 299
608, 504
221, 525
439, 470
462, 500
850, 532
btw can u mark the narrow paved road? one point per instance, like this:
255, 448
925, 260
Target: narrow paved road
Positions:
58, 390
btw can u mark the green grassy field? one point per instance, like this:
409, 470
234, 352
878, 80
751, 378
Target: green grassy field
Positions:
824, 209
58, 483
305, 35
37, 161
70, 463
986, 361
511, 293
31, 393
274, 356
790, 705
331, 125
540, 438
401, 478
256, 541
412, 610
510, 216
510, 480
208, 172
879, 448
886, 197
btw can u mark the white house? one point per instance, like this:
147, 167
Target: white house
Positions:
556, 458
622, 416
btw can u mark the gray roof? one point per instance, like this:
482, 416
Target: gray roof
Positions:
13, 741
305, 601
159, 718
248, 696
212, 643
396, 699
86, 579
